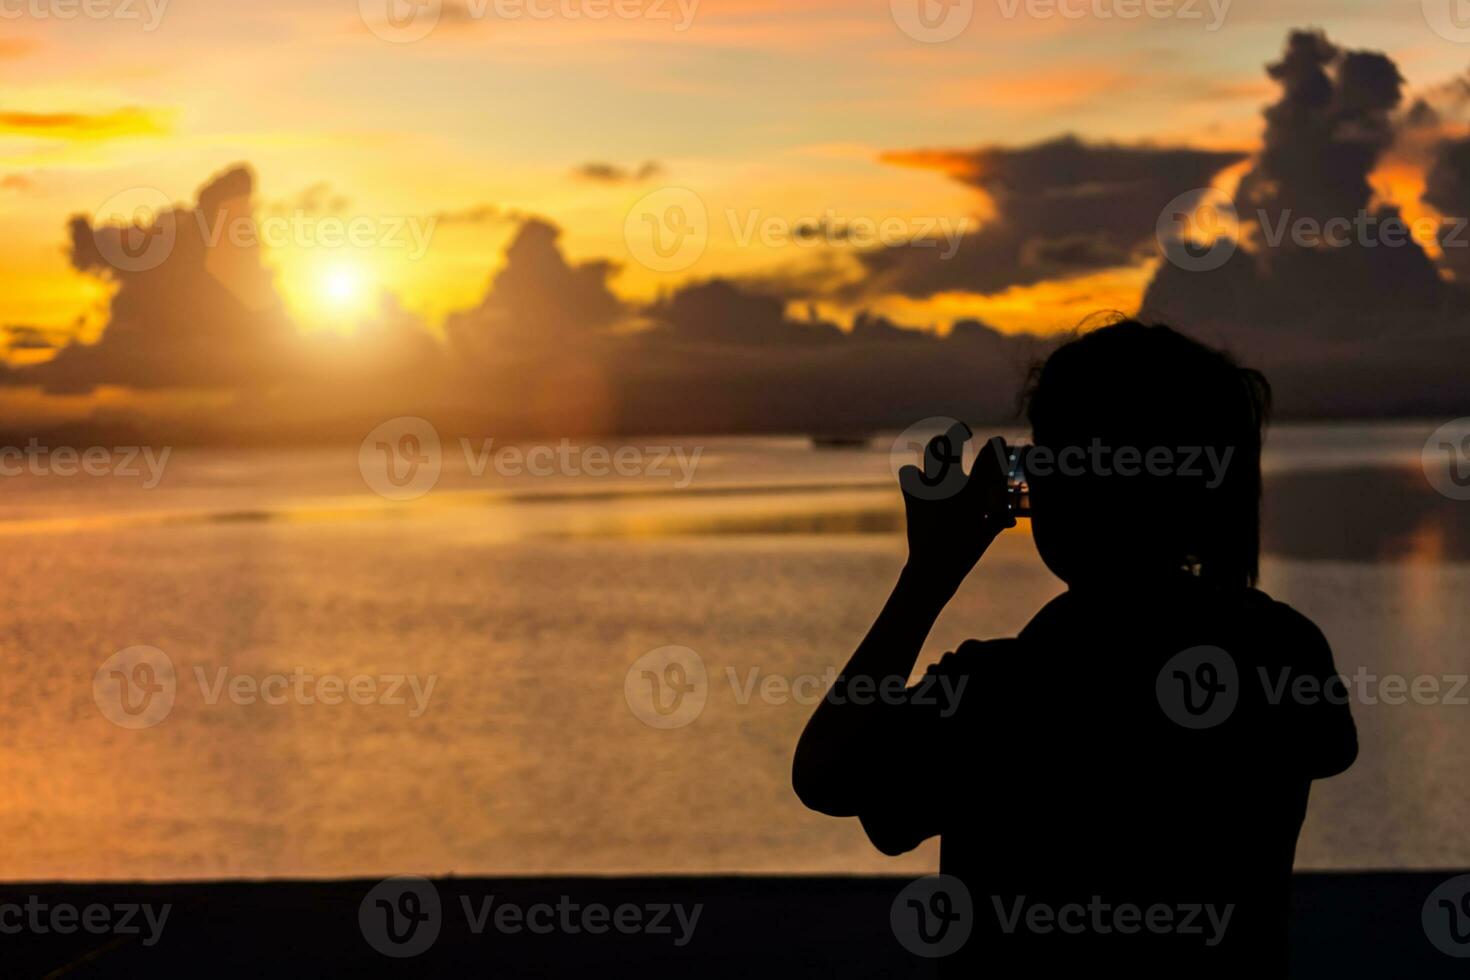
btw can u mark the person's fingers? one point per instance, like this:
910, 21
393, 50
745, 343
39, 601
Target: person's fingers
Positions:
945, 452
909, 480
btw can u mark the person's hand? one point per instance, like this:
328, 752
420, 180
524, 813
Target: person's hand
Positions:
953, 516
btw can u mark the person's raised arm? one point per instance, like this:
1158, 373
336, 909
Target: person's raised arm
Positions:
951, 518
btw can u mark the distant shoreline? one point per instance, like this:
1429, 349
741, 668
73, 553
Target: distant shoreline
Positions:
336, 434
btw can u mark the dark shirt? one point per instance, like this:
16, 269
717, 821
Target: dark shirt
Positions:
1086, 769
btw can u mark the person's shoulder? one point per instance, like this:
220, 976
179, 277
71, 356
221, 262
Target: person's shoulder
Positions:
1283, 615
1293, 633
1059, 613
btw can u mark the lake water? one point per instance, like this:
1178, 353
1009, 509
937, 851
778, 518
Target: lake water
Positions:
527, 599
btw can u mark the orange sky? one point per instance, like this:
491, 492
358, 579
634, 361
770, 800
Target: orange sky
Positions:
764, 110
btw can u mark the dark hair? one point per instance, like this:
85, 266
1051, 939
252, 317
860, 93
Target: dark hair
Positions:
1139, 385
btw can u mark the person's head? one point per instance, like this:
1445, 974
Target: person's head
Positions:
1147, 458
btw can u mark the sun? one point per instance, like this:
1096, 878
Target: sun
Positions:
343, 288
338, 293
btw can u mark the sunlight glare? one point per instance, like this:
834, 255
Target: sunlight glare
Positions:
343, 286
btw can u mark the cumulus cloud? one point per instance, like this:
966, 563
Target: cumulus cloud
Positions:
1062, 208
552, 347
1354, 324
194, 306
537, 300
1326, 133
184, 313
1332, 125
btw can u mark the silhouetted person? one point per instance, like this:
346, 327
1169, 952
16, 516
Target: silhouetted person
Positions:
1149, 739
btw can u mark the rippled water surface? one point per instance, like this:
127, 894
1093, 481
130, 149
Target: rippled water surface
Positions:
525, 600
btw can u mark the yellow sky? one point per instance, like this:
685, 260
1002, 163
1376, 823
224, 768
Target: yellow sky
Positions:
764, 110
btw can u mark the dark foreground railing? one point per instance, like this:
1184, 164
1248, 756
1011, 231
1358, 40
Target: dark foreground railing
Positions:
1348, 925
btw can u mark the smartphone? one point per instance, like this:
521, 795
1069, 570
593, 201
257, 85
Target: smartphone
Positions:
1018, 487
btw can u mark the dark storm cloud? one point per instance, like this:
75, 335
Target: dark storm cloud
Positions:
1359, 327
1447, 190
722, 358
826, 273
723, 312
1326, 133
1421, 115
1063, 208
1332, 125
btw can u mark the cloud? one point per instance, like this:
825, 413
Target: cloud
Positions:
721, 358
1336, 118
1353, 327
538, 300
185, 313
195, 307
81, 126
611, 173
316, 199
478, 214
18, 337
722, 312
558, 351
1326, 133
1447, 185
1062, 208
550, 347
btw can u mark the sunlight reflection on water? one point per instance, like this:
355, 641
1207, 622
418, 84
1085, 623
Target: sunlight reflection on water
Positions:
528, 612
